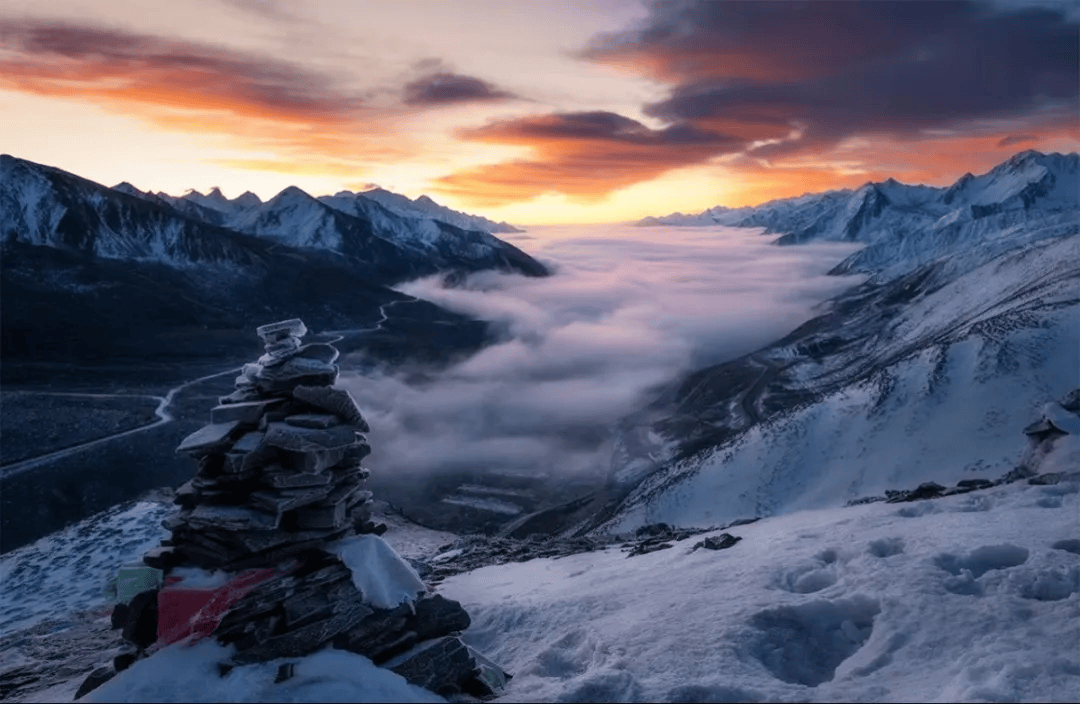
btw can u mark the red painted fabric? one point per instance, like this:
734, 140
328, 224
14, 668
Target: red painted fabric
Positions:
196, 612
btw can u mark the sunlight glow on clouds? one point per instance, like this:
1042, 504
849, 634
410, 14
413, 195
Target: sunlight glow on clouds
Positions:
536, 112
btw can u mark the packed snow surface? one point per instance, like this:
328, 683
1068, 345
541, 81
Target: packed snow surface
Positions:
181, 673
974, 597
66, 572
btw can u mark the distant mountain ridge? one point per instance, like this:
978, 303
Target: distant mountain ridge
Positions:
427, 208
92, 273
969, 319
907, 226
45, 206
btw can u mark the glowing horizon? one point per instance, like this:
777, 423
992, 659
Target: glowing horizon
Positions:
602, 112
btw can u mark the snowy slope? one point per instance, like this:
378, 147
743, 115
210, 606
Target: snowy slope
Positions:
936, 387
967, 598
426, 208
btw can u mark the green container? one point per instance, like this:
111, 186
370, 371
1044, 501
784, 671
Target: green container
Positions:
131, 580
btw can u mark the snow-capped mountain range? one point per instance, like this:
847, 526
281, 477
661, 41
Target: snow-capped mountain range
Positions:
40, 205
965, 330
906, 226
971, 301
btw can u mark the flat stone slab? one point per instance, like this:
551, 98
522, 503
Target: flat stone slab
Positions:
283, 347
245, 411
287, 383
319, 421
319, 351
262, 541
245, 392
279, 502
249, 442
321, 517
293, 368
336, 401
208, 438
297, 480
306, 639
296, 439
275, 331
350, 473
442, 665
231, 518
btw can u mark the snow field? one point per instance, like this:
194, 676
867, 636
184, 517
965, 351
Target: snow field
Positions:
959, 599
65, 573
182, 673
910, 423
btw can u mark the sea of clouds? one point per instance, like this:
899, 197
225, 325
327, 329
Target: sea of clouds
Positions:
627, 312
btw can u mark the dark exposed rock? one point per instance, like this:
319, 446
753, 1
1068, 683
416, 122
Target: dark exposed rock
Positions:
488, 678
163, 558
646, 548
1045, 479
441, 665
94, 680
718, 542
125, 659
141, 625
312, 420
974, 484
306, 639
437, 615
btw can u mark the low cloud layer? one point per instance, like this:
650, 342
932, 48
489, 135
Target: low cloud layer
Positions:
628, 311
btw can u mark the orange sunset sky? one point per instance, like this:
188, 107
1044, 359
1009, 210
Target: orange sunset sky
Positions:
534, 111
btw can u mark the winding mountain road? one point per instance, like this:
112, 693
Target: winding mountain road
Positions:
162, 412
164, 402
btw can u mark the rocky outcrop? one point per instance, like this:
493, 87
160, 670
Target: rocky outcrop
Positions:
272, 549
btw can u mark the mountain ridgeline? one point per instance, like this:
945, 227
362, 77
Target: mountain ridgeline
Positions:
905, 227
92, 272
967, 322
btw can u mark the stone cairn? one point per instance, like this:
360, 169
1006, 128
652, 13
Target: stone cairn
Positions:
279, 478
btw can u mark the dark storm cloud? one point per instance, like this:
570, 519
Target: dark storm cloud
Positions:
581, 154
452, 89
836, 69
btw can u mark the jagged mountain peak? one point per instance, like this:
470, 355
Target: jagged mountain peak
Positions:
291, 195
247, 199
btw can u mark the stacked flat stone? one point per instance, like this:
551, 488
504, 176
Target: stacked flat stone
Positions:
280, 464
280, 477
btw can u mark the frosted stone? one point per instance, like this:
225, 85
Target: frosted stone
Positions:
273, 332
208, 437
